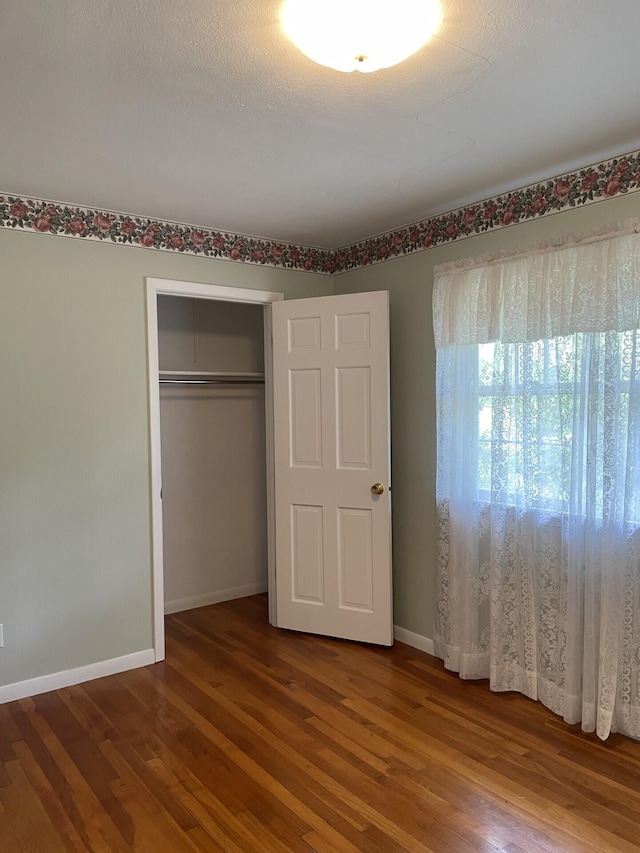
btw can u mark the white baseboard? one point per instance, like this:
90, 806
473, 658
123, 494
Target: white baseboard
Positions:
416, 641
69, 677
45, 683
179, 604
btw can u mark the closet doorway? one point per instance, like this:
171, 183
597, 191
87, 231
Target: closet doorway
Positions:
209, 388
327, 453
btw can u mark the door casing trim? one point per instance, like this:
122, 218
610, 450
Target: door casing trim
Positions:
220, 293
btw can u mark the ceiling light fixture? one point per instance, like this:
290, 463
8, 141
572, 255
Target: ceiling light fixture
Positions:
359, 35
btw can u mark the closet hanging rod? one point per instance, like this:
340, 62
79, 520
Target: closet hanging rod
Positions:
200, 377
211, 381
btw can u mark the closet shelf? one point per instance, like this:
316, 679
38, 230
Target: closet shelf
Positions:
207, 377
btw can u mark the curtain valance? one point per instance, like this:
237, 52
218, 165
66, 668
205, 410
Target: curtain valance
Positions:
589, 284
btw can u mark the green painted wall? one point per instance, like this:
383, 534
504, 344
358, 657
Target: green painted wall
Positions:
75, 574
409, 280
75, 571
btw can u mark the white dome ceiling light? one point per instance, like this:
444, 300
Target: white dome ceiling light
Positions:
360, 35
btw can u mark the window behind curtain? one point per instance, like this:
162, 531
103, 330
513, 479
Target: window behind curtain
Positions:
534, 401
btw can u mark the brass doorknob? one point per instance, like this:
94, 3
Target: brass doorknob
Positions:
377, 489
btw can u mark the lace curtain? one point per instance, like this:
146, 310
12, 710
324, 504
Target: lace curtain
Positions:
538, 482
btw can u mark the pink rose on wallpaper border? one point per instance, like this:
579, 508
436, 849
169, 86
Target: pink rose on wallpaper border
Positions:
18, 209
310, 259
469, 217
102, 222
538, 204
490, 211
42, 224
127, 227
612, 187
176, 241
562, 189
78, 226
197, 238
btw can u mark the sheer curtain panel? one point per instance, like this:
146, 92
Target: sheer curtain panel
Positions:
538, 483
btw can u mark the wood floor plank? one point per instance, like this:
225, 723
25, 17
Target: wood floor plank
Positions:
118, 747
7, 734
536, 803
332, 773
218, 822
65, 830
262, 772
252, 740
90, 817
26, 815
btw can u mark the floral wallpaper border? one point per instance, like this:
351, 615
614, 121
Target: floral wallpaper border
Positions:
593, 183
49, 217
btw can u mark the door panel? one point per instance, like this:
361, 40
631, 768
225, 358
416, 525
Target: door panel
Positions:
355, 558
353, 418
307, 562
331, 419
305, 426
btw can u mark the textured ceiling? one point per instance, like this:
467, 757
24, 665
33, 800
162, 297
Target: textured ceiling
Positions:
202, 112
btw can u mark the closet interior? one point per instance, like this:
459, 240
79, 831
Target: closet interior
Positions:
212, 427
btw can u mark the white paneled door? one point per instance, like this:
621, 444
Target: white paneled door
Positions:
332, 466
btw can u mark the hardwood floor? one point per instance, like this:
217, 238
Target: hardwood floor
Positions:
252, 739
